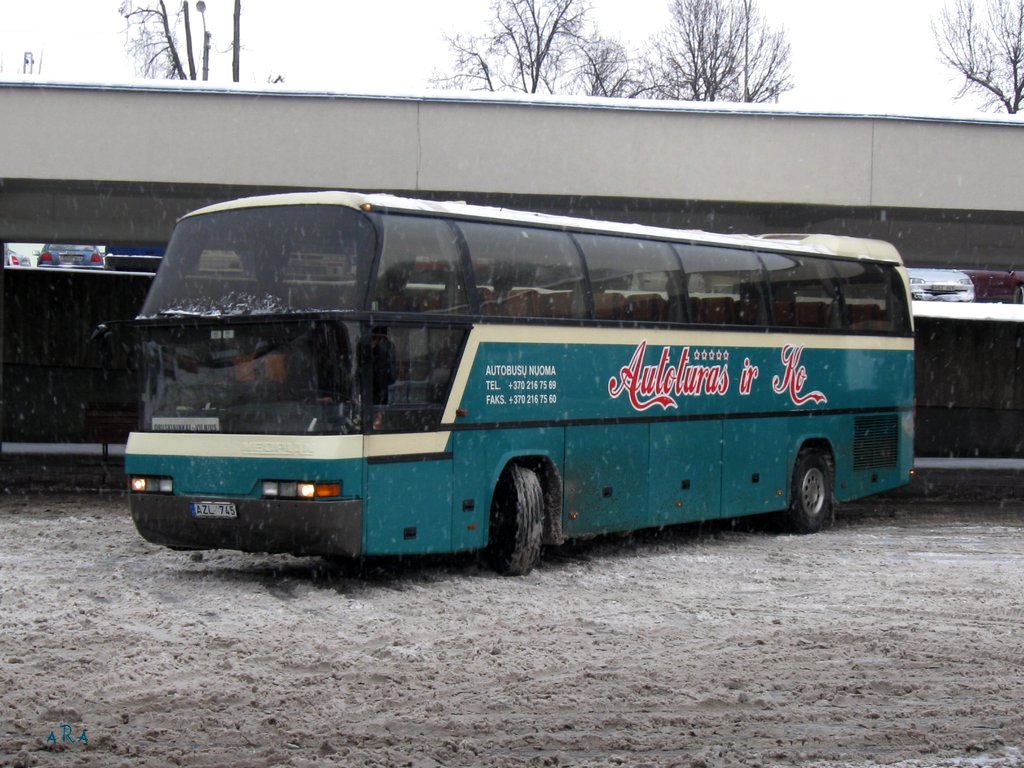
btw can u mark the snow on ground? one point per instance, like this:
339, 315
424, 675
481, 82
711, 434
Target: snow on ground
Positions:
893, 639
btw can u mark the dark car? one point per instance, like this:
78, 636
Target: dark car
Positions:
57, 255
996, 285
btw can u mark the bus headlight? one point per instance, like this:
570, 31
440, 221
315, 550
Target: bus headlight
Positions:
281, 489
146, 484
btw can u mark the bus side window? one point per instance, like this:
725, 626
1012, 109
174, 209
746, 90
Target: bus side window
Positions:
525, 272
420, 267
411, 369
725, 286
632, 279
805, 291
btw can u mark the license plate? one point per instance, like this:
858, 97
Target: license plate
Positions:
212, 509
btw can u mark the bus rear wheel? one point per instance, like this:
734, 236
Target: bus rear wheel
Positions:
810, 505
517, 522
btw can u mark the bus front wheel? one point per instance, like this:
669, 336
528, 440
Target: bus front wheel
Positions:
517, 522
810, 505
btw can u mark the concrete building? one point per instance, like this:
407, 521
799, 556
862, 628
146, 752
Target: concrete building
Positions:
119, 164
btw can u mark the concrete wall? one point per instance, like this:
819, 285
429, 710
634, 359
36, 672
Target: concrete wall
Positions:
139, 157
944, 192
631, 150
602, 148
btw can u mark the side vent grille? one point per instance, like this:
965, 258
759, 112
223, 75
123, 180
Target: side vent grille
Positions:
875, 442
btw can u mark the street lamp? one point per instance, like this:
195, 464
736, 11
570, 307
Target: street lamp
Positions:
201, 7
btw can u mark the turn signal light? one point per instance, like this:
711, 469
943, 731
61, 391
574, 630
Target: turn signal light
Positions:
327, 490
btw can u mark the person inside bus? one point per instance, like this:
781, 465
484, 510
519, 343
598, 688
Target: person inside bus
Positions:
391, 294
383, 364
331, 362
503, 279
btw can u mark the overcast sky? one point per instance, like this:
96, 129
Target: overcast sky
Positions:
875, 56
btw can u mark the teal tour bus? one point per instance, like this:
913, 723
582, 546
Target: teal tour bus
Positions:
356, 375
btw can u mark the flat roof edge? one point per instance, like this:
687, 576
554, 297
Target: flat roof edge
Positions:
502, 99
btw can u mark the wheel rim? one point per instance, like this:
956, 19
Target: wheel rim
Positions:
812, 491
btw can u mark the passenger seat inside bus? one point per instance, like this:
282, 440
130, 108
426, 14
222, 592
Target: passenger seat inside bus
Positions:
519, 302
714, 310
609, 306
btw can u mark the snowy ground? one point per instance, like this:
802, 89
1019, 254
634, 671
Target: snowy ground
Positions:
896, 638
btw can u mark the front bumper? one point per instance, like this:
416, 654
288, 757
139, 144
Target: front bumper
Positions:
332, 528
942, 296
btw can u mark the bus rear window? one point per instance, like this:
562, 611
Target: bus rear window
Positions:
874, 296
294, 258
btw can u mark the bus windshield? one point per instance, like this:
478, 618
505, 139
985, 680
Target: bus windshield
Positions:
271, 260
284, 378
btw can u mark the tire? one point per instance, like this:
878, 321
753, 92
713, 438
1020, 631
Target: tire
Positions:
810, 504
517, 522
1018, 295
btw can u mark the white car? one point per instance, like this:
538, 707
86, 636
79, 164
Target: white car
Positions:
12, 259
940, 285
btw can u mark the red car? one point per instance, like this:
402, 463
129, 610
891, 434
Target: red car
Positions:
996, 285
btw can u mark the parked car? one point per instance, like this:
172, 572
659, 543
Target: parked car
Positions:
940, 285
56, 255
997, 285
12, 259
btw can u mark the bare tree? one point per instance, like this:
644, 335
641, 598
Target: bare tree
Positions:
530, 47
188, 43
606, 68
766, 57
236, 44
697, 55
151, 40
986, 49
720, 50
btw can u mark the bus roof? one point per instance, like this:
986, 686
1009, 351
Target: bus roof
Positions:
831, 245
